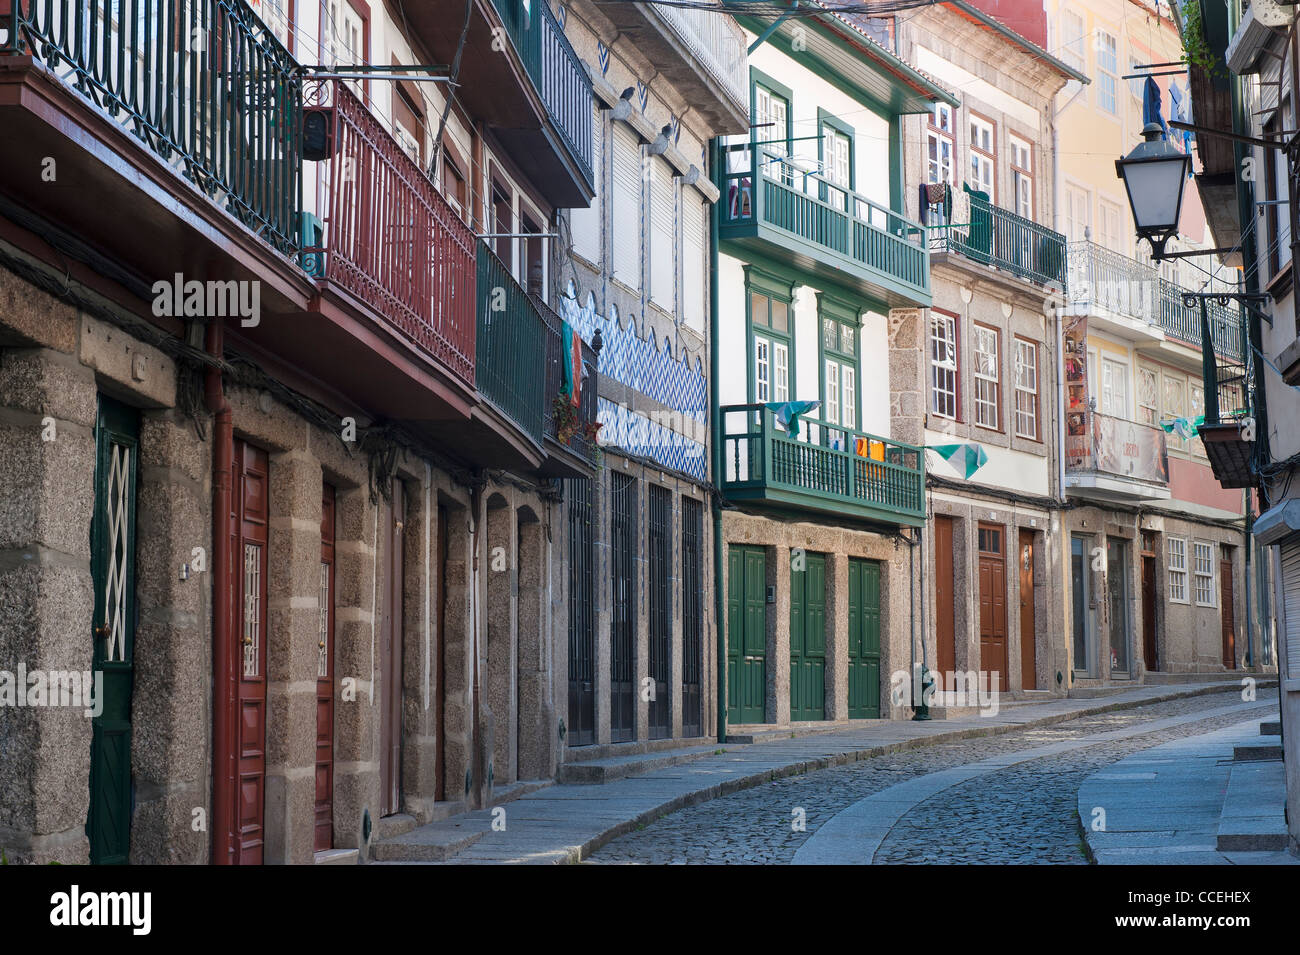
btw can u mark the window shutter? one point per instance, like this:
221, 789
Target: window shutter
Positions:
625, 225
663, 265
1291, 605
693, 291
584, 224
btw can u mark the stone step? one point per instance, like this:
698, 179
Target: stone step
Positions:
336, 857
436, 842
1252, 819
597, 771
387, 827
1099, 692
1257, 752
598, 751
1156, 678
1270, 728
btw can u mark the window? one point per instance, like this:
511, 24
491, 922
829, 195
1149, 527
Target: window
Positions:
1175, 398
408, 120
1196, 401
1148, 392
625, 225
1022, 176
839, 369
1072, 51
1203, 569
694, 293
1277, 217
584, 224
836, 154
347, 39
983, 154
1108, 224
940, 144
1137, 85
663, 231
1177, 547
988, 414
1114, 389
772, 122
943, 364
770, 318
1107, 67
1078, 214
1026, 390
453, 180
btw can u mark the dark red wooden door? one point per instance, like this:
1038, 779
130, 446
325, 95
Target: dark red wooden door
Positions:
1028, 631
1149, 655
944, 586
390, 657
1225, 605
325, 679
248, 576
993, 607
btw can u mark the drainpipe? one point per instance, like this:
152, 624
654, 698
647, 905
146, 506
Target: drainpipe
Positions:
223, 687
715, 433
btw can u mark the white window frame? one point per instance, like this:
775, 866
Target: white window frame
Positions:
1072, 47
983, 155
1107, 72
1027, 385
940, 133
1176, 569
943, 369
1022, 175
1114, 388
986, 383
1204, 584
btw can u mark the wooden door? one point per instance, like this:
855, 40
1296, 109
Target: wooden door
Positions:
581, 730
623, 612
864, 639
659, 652
1226, 602
1028, 631
808, 638
692, 617
746, 634
390, 657
248, 556
993, 607
1149, 653
440, 654
325, 679
112, 571
945, 617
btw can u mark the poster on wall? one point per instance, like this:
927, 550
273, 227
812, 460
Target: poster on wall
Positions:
1078, 434
1130, 450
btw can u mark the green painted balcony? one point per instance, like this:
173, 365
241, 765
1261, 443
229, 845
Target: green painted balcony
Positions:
822, 228
820, 470
510, 346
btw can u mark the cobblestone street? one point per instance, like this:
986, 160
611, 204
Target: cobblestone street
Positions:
1024, 813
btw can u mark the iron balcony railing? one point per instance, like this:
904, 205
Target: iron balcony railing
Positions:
1004, 240
812, 208
579, 436
717, 41
1109, 281
390, 238
204, 84
839, 464
556, 71
1106, 444
510, 346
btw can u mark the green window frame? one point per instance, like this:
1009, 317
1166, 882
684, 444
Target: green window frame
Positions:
827, 125
839, 340
769, 337
764, 136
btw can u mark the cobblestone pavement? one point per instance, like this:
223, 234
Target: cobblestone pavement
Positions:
1024, 814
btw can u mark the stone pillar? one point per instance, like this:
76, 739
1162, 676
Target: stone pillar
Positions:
837, 636
907, 404
46, 593
778, 635
455, 659
500, 690
536, 716
292, 653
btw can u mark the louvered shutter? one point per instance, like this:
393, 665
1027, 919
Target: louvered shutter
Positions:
663, 264
584, 224
693, 292
1291, 605
625, 224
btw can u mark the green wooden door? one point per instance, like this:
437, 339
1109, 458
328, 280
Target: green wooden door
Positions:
112, 568
864, 640
746, 634
808, 638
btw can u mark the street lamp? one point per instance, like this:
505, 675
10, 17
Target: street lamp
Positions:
1154, 174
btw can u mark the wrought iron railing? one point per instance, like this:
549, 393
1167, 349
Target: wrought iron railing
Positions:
510, 346
391, 239
1005, 240
717, 41
1182, 320
204, 84
836, 463
579, 436
557, 72
1101, 279
813, 208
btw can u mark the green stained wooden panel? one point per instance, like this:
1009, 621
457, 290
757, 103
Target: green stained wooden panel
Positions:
864, 639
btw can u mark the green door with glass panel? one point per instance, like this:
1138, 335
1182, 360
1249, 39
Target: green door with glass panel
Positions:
808, 637
746, 634
112, 568
864, 640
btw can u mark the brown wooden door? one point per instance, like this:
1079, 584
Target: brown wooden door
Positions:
1149, 653
944, 599
1226, 604
1028, 632
325, 679
993, 606
248, 557
440, 684
390, 659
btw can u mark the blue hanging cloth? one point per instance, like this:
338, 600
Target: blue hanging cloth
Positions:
1151, 101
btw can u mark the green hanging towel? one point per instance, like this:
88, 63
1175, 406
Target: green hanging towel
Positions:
981, 224
571, 364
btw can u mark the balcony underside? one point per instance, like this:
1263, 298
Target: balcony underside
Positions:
494, 86
564, 461
825, 263
796, 505
1112, 488
1229, 455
